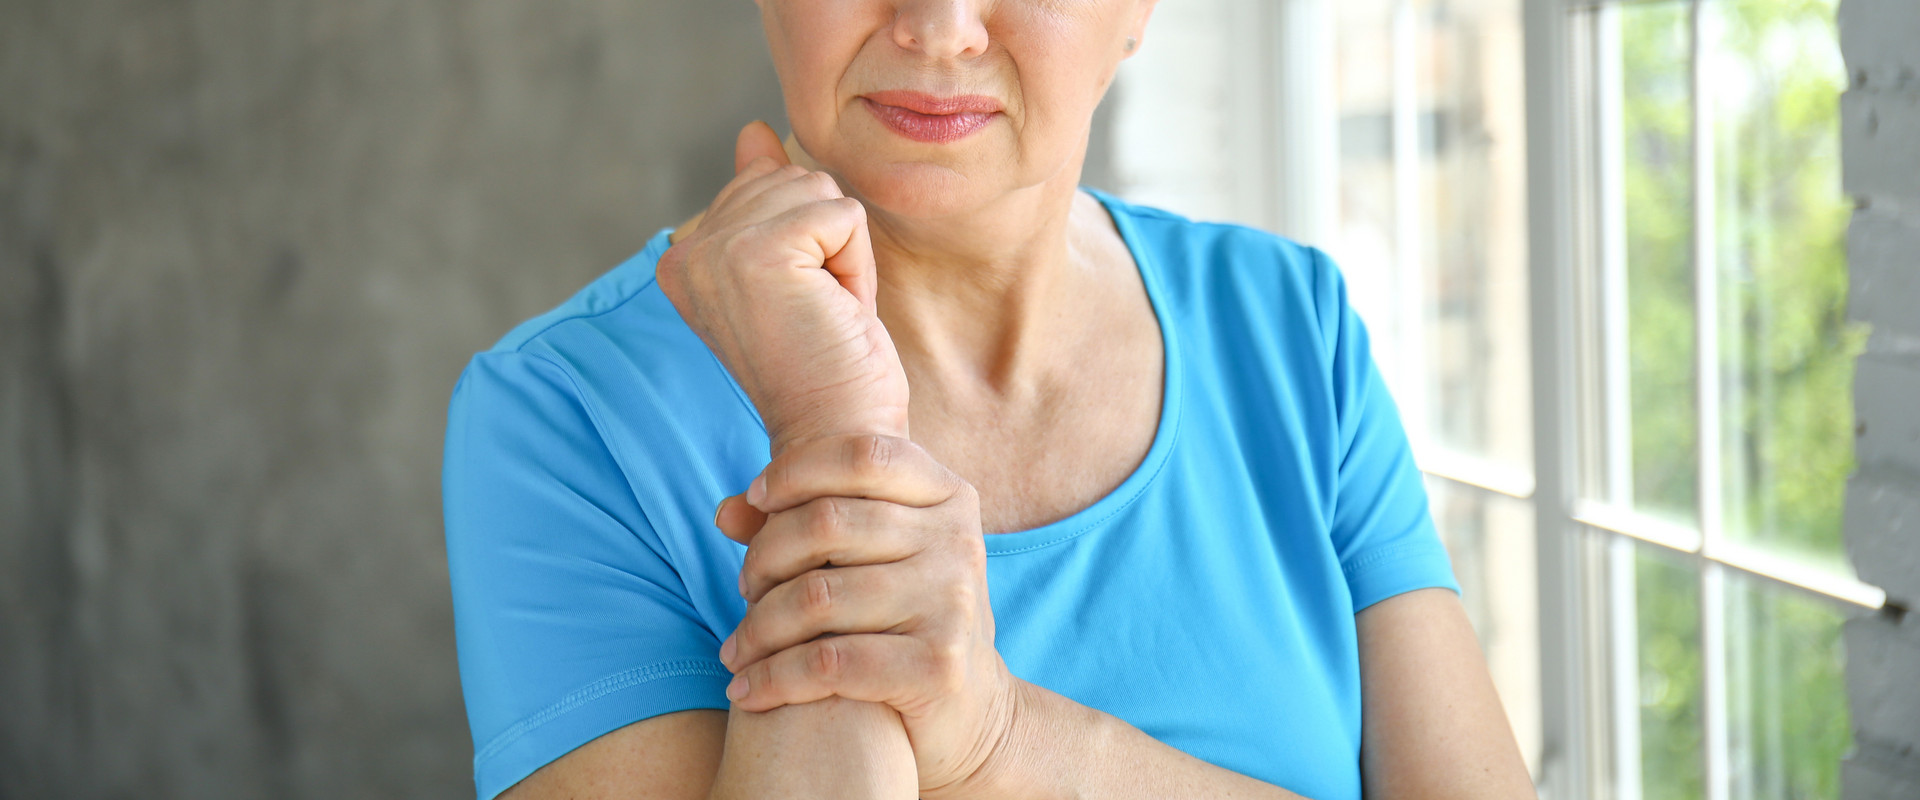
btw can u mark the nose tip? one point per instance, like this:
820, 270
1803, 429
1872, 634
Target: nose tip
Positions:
942, 29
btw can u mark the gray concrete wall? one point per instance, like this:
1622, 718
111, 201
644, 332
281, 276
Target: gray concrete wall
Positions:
1880, 134
245, 249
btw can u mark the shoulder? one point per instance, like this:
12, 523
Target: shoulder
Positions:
1231, 272
615, 369
1240, 244
620, 337
613, 292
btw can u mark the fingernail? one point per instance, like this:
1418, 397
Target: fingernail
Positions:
719, 508
743, 584
757, 491
726, 649
738, 688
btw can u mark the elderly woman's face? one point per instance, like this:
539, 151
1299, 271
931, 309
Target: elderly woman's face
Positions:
930, 107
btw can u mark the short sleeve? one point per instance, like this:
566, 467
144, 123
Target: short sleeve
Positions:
571, 620
1382, 529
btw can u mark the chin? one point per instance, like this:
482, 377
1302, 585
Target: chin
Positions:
917, 190
910, 181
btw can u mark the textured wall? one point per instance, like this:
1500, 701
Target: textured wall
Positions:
1880, 132
245, 249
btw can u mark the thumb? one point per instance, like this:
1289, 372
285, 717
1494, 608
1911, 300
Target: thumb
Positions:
756, 140
737, 519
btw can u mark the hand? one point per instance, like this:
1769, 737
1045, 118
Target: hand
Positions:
779, 280
865, 577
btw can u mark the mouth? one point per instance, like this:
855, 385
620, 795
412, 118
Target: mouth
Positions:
931, 119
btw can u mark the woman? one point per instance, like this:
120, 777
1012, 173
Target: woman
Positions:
1161, 443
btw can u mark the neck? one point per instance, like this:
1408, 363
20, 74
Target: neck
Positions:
976, 298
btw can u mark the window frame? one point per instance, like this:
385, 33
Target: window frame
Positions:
1587, 534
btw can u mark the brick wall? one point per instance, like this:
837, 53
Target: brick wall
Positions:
1880, 131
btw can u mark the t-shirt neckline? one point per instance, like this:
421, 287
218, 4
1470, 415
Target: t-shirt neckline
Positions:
1106, 508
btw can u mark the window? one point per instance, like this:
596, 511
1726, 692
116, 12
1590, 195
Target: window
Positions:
1600, 249
1719, 396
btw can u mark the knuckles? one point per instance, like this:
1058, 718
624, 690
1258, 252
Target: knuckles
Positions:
777, 549
947, 663
950, 614
820, 185
869, 457
854, 209
827, 661
819, 591
826, 525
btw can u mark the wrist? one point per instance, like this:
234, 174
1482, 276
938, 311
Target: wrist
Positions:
873, 422
1047, 739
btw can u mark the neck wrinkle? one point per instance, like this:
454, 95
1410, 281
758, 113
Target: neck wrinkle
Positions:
984, 303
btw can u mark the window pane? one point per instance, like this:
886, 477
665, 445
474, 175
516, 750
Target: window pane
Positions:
1473, 228
1364, 245
1787, 350
1490, 539
1656, 181
1788, 721
1432, 222
1667, 594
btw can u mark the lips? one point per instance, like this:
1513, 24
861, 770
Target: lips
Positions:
923, 103
929, 118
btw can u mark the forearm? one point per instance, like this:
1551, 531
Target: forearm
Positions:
833, 748
1061, 749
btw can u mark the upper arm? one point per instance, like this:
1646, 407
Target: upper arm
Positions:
669, 757
1431, 721
1382, 532
572, 622
1432, 724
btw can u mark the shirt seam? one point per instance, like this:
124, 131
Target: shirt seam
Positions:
733, 386
1378, 557
640, 290
616, 682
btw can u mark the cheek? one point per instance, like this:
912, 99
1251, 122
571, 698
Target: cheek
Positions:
812, 44
1063, 72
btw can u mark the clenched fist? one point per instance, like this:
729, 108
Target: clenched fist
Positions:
778, 279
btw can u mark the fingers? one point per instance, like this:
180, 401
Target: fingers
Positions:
808, 212
757, 152
750, 182
853, 265
758, 140
885, 468
828, 532
829, 233
767, 183
777, 191
844, 600
738, 520
872, 667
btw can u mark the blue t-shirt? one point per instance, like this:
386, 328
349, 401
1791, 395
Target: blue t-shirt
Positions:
1208, 600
